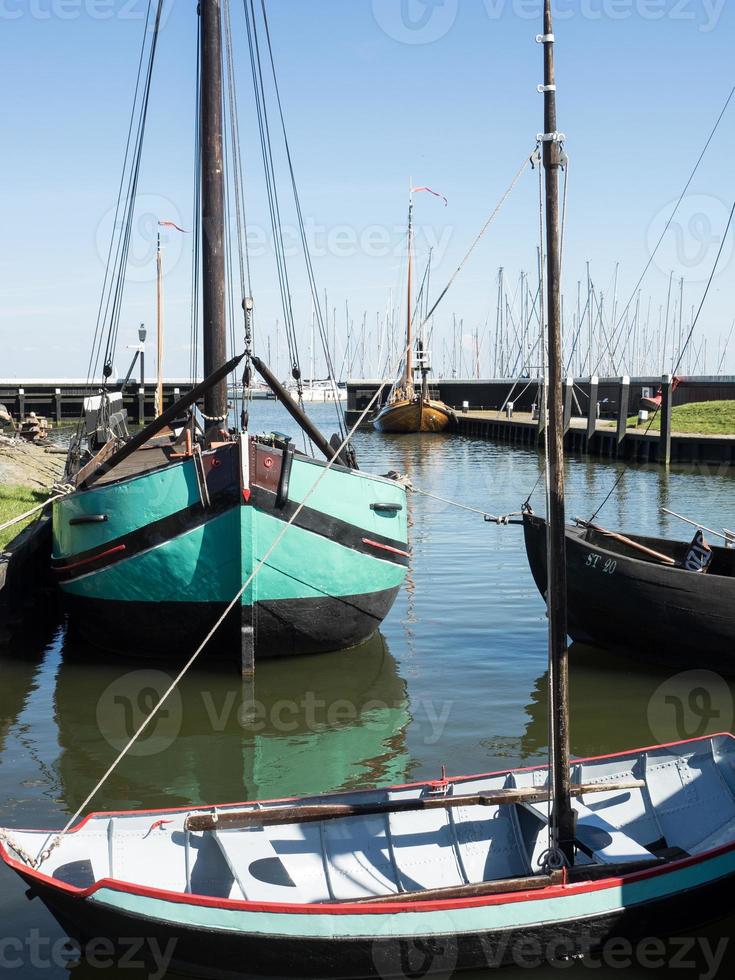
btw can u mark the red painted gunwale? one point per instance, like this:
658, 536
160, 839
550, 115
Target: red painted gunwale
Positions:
384, 908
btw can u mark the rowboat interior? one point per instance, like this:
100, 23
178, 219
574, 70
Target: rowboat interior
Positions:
682, 808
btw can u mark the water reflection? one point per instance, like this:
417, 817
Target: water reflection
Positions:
617, 703
290, 732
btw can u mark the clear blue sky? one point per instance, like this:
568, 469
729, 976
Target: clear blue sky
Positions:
372, 97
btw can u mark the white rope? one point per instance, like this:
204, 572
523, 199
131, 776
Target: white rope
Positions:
55, 840
33, 510
453, 503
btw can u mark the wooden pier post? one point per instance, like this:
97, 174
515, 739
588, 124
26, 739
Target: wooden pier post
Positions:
542, 419
623, 403
568, 394
141, 406
57, 404
592, 410
21, 403
667, 390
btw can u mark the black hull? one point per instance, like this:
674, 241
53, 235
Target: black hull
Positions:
283, 628
224, 955
614, 600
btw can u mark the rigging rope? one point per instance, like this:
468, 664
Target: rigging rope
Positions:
315, 298
272, 194
625, 469
669, 222
478, 239
196, 225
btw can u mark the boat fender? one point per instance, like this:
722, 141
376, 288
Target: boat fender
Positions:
284, 479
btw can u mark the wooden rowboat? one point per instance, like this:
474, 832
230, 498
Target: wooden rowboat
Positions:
632, 592
418, 414
300, 888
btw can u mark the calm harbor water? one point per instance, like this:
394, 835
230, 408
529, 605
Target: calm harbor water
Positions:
457, 677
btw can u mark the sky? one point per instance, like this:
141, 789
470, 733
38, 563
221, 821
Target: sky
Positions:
376, 93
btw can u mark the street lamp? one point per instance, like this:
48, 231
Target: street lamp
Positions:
142, 332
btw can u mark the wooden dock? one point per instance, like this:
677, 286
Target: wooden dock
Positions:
602, 440
62, 401
596, 413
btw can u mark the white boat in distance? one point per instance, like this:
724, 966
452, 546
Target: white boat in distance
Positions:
320, 391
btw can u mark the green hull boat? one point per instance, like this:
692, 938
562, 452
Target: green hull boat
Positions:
152, 554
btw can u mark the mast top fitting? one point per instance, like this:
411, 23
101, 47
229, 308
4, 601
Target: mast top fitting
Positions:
545, 88
551, 137
545, 39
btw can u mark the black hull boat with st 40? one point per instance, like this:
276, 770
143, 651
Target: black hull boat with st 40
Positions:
669, 601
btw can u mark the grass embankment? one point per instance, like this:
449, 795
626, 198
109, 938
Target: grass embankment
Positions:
13, 502
702, 418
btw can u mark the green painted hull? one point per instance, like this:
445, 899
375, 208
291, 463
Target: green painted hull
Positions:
152, 559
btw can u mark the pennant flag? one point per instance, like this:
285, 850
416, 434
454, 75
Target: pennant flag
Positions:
417, 190
172, 224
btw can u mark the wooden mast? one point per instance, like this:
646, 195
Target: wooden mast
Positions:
213, 213
408, 378
562, 828
159, 328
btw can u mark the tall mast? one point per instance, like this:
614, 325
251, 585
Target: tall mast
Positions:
159, 328
409, 314
563, 818
213, 211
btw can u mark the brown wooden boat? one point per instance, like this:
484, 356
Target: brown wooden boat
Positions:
418, 414
410, 407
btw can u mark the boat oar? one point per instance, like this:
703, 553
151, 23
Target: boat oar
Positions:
629, 541
311, 813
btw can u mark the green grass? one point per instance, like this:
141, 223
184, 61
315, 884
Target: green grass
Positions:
13, 502
703, 418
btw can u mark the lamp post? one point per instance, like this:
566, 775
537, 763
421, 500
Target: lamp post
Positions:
142, 333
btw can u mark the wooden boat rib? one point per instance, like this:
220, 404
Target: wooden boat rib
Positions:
620, 595
336, 897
